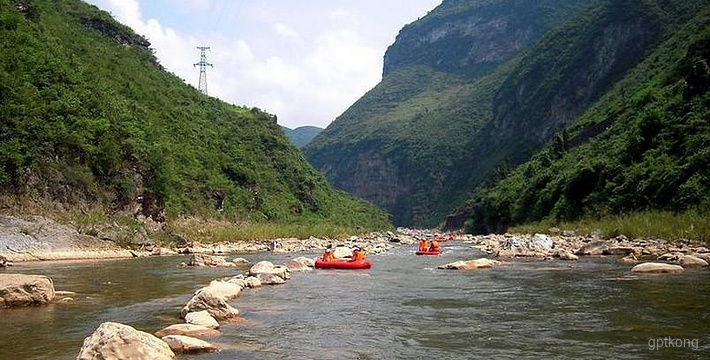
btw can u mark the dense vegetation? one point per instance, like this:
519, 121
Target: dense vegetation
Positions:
446, 126
406, 145
644, 147
302, 135
89, 118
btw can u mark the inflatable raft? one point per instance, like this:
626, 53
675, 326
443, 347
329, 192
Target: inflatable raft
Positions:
438, 252
343, 264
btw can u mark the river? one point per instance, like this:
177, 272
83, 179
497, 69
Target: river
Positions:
402, 308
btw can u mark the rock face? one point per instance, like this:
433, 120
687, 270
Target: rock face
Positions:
201, 318
113, 341
470, 264
188, 345
25, 290
191, 330
657, 268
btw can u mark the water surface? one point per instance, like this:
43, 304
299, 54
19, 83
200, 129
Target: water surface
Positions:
402, 308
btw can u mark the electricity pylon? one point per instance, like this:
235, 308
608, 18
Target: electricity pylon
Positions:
203, 68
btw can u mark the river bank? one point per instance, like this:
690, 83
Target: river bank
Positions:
36, 238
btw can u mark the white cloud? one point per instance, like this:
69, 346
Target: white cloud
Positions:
285, 30
305, 78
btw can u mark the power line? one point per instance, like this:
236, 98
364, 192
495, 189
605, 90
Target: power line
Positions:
203, 68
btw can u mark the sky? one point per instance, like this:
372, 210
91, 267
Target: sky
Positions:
305, 61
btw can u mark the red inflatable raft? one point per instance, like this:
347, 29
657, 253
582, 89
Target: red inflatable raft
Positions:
343, 264
438, 252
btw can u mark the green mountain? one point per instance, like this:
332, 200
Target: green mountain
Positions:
645, 146
407, 144
476, 88
302, 135
89, 118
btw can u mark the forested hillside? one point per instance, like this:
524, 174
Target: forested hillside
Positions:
449, 118
645, 146
89, 118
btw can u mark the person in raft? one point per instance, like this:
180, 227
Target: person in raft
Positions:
358, 254
422, 245
328, 255
434, 246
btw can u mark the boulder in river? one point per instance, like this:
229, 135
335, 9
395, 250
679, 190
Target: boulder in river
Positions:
252, 282
191, 330
202, 260
674, 257
25, 290
564, 254
300, 264
470, 264
240, 261
223, 289
266, 267
202, 318
630, 259
215, 305
693, 261
593, 248
188, 345
270, 279
657, 268
114, 341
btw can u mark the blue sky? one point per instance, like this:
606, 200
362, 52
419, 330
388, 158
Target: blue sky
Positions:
304, 60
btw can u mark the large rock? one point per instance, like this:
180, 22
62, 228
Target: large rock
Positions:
113, 341
692, 261
191, 330
270, 279
630, 259
202, 318
300, 264
564, 254
215, 305
25, 290
202, 260
593, 248
470, 264
674, 257
188, 345
252, 282
224, 289
657, 268
266, 267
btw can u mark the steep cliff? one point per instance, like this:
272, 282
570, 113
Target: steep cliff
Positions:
476, 88
404, 144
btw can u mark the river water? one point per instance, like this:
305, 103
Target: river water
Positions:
402, 308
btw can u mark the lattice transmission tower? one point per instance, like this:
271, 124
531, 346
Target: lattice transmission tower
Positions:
203, 68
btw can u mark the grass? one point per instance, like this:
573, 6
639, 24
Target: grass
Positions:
690, 225
214, 231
